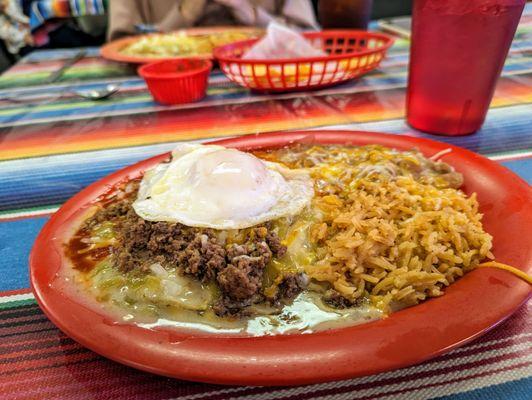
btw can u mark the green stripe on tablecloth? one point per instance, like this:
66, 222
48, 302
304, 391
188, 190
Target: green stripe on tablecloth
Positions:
29, 212
78, 74
31, 209
16, 303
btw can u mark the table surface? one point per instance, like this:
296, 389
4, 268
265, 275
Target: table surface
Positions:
52, 144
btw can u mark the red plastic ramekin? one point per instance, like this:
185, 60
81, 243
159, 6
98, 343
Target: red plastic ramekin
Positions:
177, 81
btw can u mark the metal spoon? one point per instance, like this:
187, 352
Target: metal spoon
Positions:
98, 94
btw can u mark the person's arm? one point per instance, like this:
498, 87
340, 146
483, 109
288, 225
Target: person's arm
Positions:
123, 16
14, 27
165, 15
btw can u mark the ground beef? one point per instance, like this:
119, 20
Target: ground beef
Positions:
336, 300
116, 205
291, 285
241, 279
108, 213
224, 306
242, 276
275, 244
238, 269
141, 243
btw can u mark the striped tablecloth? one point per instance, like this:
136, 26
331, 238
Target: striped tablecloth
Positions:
52, 144
43, 10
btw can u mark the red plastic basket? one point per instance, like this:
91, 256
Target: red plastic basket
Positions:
350, 54
177, 81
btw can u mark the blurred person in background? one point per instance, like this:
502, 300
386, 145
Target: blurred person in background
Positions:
125, 16
14, 32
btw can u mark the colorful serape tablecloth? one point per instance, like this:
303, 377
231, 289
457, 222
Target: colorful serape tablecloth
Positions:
53, 143
43, 10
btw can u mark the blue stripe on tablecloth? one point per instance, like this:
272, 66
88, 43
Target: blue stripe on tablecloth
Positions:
53, 179
506, 129
14, 252
65, 112
523, 168
513, 390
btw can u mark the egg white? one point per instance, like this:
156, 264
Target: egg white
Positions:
213, 187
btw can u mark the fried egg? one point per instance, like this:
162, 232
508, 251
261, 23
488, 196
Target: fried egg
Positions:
215, 187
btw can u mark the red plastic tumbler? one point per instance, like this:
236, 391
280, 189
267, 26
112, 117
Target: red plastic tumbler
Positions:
457, 54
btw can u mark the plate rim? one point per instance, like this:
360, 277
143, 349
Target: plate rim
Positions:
303, 365
111, 50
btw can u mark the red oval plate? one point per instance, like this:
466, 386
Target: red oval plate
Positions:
471, 306
113, 50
